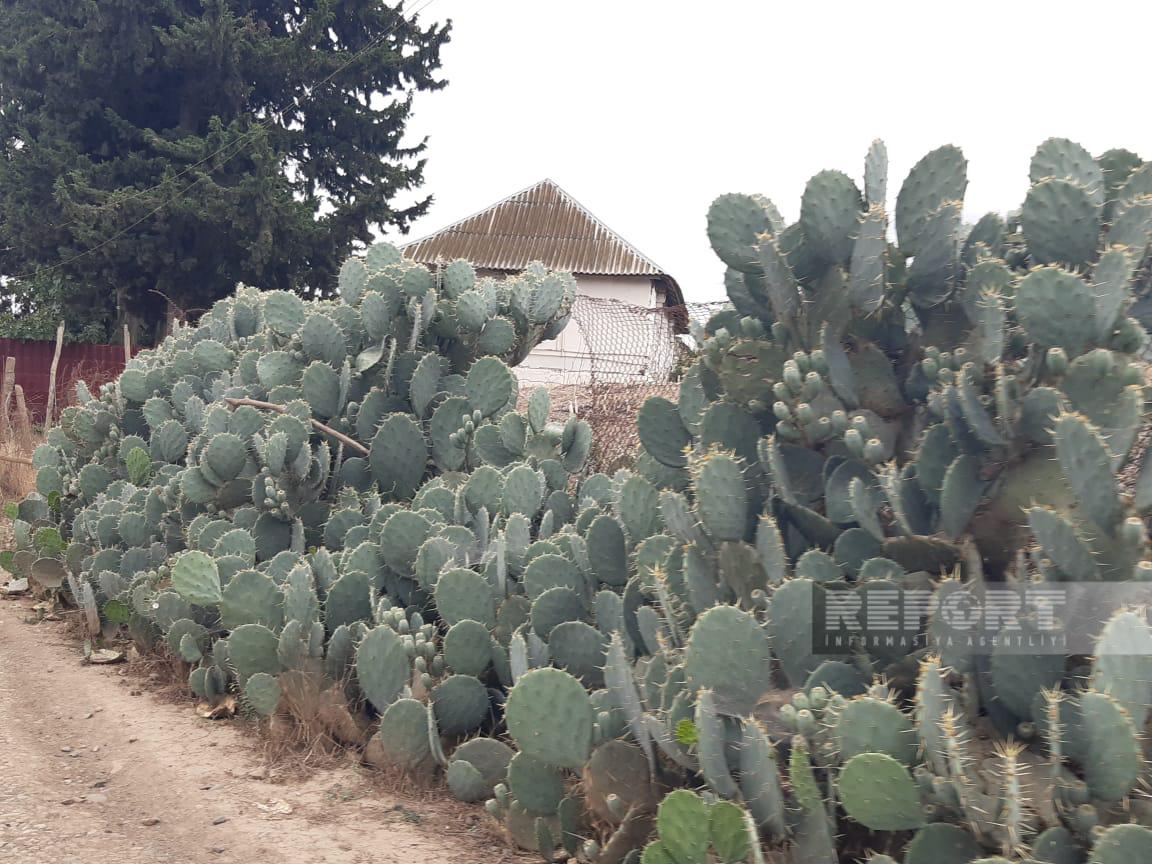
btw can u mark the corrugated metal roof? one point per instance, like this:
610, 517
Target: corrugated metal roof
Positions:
541, 223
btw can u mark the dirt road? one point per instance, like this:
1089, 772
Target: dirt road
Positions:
94, 769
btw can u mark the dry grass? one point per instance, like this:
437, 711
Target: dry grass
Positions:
315, 726
609, 407
562, 398
19, 438
305, 736
611, 410
296, 751
448, 815
93, 375
16, 478
165, 676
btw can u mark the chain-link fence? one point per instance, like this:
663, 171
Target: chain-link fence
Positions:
611, 358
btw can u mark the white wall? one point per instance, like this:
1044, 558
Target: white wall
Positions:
627, 346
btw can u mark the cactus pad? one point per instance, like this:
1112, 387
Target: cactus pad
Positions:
729, 654
490, 385
721, 497
735, 223
460, 703
683, 823
381, 666
403, 734
551, 718
940, 843
1121, 844
878, 792
195, 578
262, 693
1112, 751
868, 725
464, 594
398, 456
252, 648
662, 432
468, 648
580, 649
537, 786
251, 598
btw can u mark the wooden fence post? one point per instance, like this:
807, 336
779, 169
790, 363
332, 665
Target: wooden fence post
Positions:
23, 421
6, 386
49, 413
127, 346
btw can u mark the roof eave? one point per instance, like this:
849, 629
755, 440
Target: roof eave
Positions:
673, 295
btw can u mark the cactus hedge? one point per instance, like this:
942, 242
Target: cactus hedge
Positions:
333, 510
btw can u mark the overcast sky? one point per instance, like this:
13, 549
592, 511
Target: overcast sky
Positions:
645, 111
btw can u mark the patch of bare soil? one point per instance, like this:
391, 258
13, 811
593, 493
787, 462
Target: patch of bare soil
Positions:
93, 768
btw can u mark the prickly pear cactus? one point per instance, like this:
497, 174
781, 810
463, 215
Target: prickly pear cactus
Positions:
272, 494
916, 404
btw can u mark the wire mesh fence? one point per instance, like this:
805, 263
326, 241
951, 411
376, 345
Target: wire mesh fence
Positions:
610, 359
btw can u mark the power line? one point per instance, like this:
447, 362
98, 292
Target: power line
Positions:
238, 143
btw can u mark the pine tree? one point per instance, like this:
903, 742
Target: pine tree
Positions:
164, 150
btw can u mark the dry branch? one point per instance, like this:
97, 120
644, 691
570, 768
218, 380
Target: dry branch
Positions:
351, 443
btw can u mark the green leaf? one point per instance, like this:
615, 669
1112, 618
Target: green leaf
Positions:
656, 853
369, 357
683, 822
687, 733
195, 578
139, 466
117, 612
729, 831
49, 542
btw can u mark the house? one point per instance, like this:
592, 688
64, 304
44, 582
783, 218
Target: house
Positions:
622, 327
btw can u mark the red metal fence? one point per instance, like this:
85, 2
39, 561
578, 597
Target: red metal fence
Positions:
93, 364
